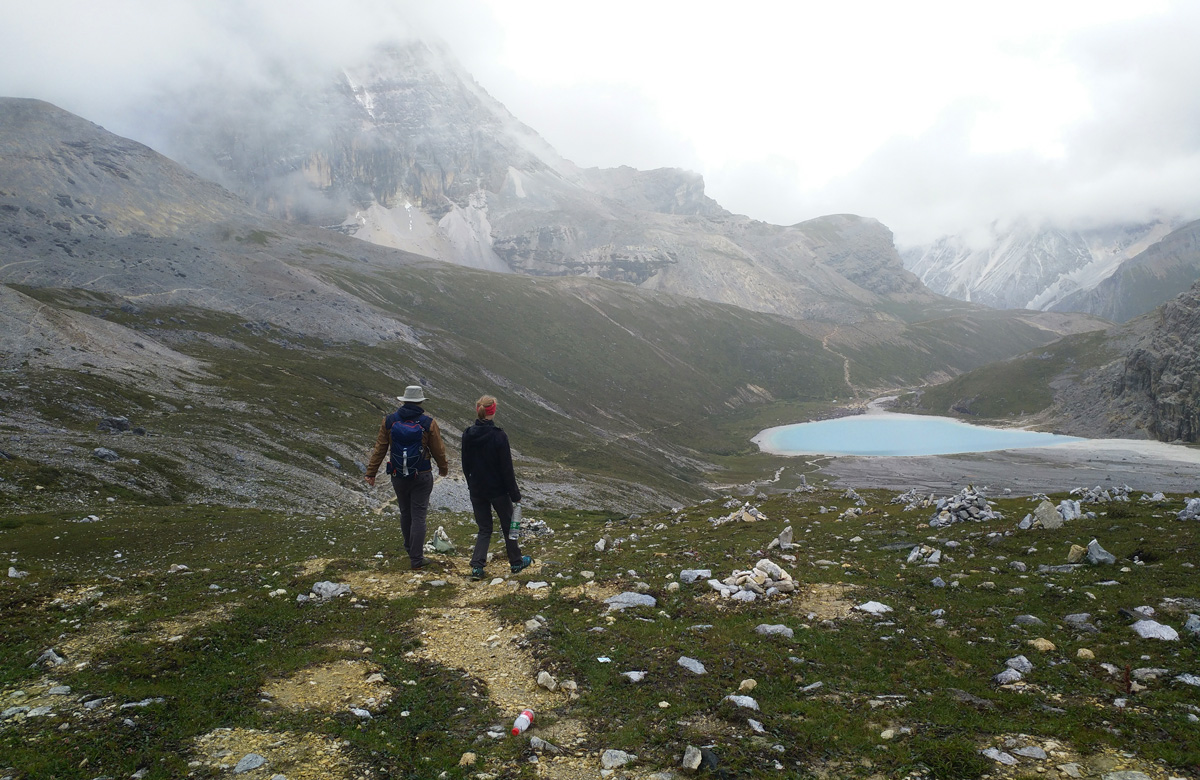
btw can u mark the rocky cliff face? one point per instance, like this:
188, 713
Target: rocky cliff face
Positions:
1162, 372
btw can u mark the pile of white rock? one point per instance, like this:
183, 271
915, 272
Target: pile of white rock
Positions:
1099, 495
1051, 517
1191, 510
745, 513
914, 500
968, 505
852, 495
924, 555
765, 580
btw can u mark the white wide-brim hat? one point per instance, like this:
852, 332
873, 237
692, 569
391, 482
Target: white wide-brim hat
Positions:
412, 394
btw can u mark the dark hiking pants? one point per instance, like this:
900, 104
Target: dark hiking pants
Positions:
483, 518
412, 493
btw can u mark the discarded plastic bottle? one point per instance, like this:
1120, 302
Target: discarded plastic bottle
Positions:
522, 722
514, 525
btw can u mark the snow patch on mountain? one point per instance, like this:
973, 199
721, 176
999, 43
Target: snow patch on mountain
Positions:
1029, 267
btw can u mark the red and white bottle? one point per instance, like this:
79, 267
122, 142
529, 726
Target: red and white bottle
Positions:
522, 722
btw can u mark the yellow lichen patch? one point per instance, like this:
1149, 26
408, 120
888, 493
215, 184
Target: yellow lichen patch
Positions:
823, 600
383, 584
1059, 762
313, 566
591, 590
78, 648
332, 687
470, 639
182, 625
296, 756
75, 596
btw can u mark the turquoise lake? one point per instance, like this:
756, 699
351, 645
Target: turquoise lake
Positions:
885, 434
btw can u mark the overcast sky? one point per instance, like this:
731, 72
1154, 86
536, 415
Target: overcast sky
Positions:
933, 117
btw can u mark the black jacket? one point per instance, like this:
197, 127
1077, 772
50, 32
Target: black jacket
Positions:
487, 461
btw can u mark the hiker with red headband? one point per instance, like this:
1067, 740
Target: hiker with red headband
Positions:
487, 465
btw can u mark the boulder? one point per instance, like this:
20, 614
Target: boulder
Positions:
1048, 516
1152, 629
1097, 555
622, 601
326, 590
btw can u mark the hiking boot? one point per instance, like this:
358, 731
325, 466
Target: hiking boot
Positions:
525, 563
421, 564
478, 574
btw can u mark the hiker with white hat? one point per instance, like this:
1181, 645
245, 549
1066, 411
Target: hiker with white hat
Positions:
415, 442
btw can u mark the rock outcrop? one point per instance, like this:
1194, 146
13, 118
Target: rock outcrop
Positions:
1163, 371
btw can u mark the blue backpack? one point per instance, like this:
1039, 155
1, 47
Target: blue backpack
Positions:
408, 451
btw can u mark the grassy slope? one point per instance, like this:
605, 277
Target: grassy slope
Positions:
1015, 387
210, 678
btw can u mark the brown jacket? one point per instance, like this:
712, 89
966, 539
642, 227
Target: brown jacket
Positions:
431, 440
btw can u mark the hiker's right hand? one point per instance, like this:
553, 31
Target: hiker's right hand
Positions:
370, 481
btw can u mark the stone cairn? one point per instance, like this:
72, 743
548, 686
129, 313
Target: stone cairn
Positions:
743, 514
852, 495
968, 505
1099, 495
765, 580
1191, 510
914, 500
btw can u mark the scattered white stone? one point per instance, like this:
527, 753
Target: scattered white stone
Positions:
873, 608
689, 576
1020, 663
621, 601
1031, 751
326, 590
692, 665
999, 756
774, 630
614, 759
249, 762
1152, 629
1188, 679
743, 701
691, 758
547, 681
1097, 555
48, 658
13, 573
634, 676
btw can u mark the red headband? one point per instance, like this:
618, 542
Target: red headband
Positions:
490, 409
